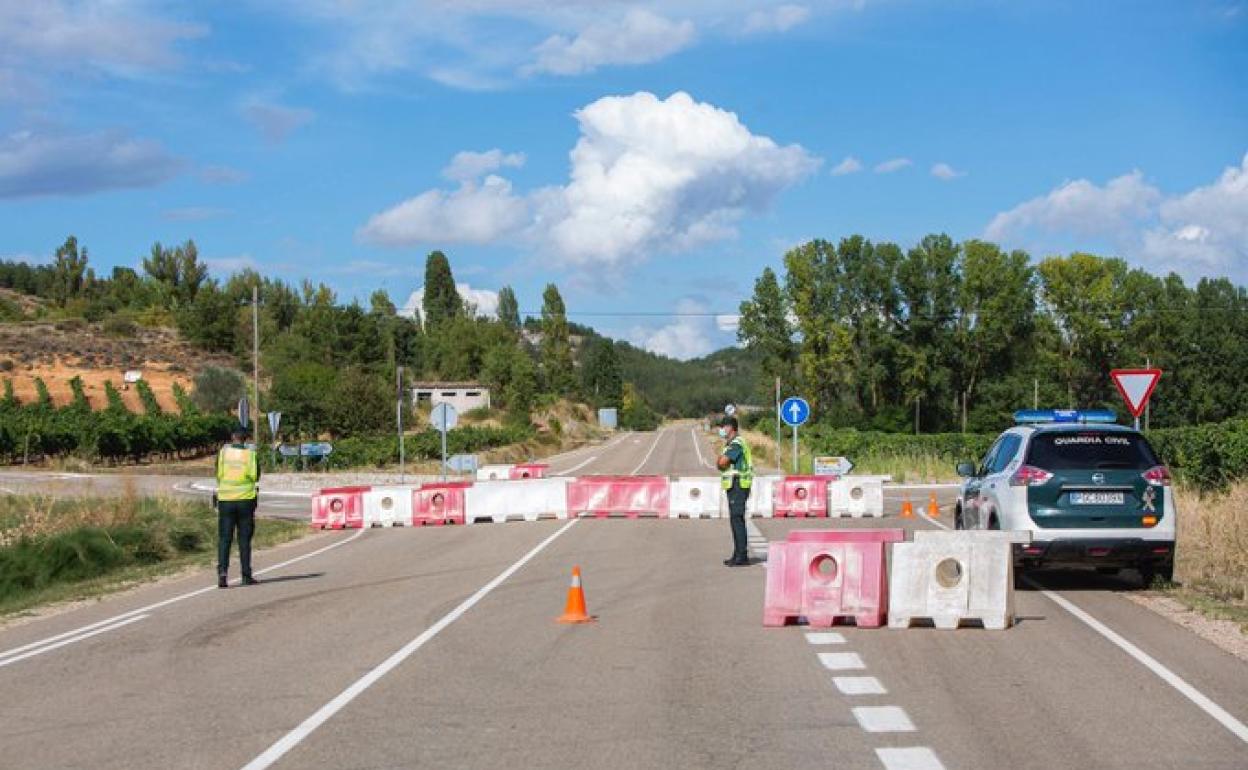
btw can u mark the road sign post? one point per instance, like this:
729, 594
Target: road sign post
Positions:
1136, 387
795, 411
443, 418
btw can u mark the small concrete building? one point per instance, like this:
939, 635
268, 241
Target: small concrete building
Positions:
464, 396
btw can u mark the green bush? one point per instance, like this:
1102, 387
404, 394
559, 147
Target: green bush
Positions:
379, 451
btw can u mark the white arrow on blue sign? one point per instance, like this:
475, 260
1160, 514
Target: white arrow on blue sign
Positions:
794, 411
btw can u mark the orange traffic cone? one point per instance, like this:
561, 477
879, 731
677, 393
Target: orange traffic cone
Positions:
933, 508
907, 508
574, 610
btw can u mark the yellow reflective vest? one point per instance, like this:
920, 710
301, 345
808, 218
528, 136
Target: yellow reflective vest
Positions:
237, 473
743, 474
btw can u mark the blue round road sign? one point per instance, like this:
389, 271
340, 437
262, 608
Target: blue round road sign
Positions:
794, 411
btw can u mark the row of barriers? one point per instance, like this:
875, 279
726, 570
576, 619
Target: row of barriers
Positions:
825, 577
532, 497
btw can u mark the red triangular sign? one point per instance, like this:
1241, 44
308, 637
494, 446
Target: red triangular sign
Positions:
1136, 385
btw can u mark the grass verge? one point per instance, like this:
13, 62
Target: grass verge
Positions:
1211, 574
65, 549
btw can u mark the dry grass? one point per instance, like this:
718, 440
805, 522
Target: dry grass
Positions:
1212, 550
34, 516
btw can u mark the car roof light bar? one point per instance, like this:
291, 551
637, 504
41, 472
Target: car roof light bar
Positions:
1043, 416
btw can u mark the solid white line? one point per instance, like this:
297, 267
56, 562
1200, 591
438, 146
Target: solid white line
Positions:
888, 487
654, 446
940, 524
859, 685
841, 661
71, 640
559, 458
173, 600
697, 447
1152, 664
577, 467
912, 758
883, 719
830, 637
324, 713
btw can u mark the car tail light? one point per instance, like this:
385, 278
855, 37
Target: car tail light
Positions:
1158, 476
1029, 476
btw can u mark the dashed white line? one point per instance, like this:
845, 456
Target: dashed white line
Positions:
883, 719
841, 661
49, 648
912, 758
859, 685
829, 637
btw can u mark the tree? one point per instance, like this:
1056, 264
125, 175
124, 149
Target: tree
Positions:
217, 390
766, 330
522, 388
379, 304
178, 271
69, 271
556, 346
441, 301
508, 309
601, 377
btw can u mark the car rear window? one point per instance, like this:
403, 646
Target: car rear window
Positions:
1090, 449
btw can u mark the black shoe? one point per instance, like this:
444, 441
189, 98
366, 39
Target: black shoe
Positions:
735, 562
250, 581
222, 582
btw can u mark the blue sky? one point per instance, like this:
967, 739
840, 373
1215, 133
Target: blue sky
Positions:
649, 158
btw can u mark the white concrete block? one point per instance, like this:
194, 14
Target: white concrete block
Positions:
698, 497
494, 472
521, 500
951, 577
762, 496
388, 506
856, 496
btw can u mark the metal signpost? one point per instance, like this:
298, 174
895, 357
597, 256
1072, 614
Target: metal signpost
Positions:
795, 411
444, 418
275, 419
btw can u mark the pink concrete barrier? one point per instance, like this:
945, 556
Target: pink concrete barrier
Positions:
801, 496
630, 496
339, 508
826, 576
439, 503
528, 471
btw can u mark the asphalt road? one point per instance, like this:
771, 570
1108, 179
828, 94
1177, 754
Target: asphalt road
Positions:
436, 647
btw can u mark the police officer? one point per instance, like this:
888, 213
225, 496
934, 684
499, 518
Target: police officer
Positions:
238, 473
736, 475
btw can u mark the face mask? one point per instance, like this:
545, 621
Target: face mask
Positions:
723, 433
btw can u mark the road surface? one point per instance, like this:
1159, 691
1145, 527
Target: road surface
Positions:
436, 647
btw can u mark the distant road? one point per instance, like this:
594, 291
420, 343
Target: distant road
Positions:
436, 647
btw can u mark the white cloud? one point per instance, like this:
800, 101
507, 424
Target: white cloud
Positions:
945, 172
688, 336
484, 301
468, 165
229, 265
276, 122
1200, 232
223, 175
194, 213
648, 175
1081, 207
728, 322
639, 37
475, 213
850, 165
779, 19
889, 166
76, 164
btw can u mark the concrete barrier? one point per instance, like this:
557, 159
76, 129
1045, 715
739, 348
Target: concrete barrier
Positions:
697, 498
762, 497
439, 503
529, 471
388, 506
800, 496
530, 500
339, 508
629, 496
494, 472
953, 577
857, 496
828, 575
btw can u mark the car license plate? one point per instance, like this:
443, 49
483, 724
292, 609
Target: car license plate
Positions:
1096, 498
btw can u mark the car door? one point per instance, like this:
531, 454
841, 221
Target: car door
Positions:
996, 481
972, 489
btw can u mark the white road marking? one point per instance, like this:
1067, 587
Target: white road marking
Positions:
859, 685
32, 653
697, 446
577, 467
912, 758
830, 637
883, 719
324, 713
756, 541
841, 661
921, 486
658, 437
165, 603
1152, 664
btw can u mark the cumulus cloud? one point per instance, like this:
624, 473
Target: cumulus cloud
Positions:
688, 336
728, 322
945, 172
483, 301
276, 122
474, 213
639, 37
468, 165
1203, 231
47, 163
850, 165
648, 175
235, 264
779, 19
889, 166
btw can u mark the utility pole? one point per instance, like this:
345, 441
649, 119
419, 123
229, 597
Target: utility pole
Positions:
1148, 408
255, 357
778, 465
398, 415
1035, 399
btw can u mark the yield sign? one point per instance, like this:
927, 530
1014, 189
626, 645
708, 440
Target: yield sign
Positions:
1136, 385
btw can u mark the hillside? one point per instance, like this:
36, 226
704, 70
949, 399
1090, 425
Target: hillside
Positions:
691, 388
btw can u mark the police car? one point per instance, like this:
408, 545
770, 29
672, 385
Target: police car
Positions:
1090, 492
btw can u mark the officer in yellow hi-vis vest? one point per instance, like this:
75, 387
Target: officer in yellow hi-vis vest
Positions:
736, 474
238, 473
